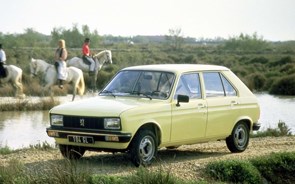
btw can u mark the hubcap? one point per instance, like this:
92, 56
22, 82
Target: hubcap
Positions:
240, 136
146, 148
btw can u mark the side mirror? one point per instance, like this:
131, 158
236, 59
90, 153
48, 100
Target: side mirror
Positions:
182, 98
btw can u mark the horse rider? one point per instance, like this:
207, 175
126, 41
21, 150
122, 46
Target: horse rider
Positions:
2, 62
61, 55
86, 55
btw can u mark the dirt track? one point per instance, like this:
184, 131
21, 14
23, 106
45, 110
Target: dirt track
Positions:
184, 162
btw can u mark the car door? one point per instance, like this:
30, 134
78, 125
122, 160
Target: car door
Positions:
222, 103
189, 119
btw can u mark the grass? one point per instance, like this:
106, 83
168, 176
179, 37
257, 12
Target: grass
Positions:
44, 146
281, 130
273, 168
5, 150
26, 105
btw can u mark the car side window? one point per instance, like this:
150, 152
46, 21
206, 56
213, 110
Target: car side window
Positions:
228, 88
189, 84
217, 85
213, 84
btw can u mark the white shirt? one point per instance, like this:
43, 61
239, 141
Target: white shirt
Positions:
2, 56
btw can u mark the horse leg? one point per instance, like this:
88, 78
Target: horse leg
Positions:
81, 86
48, 88
93, 82
75, 85
18, 89
73, 98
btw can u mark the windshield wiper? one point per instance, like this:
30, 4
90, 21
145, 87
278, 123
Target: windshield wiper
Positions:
108, 92
141, 94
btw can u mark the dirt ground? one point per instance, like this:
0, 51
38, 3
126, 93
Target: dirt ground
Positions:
184, 162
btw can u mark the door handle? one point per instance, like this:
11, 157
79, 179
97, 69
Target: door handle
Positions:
200, 105
234, 102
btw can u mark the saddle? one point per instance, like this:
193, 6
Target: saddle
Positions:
3, 71
85, 60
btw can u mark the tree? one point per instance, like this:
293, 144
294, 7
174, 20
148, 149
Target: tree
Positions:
175, 38
247, 43
74, 37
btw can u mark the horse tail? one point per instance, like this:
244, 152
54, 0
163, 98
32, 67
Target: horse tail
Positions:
81, 86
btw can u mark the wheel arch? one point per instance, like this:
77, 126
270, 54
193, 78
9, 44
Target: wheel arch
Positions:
245, 120
152, 127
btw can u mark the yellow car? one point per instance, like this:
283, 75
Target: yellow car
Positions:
144, 108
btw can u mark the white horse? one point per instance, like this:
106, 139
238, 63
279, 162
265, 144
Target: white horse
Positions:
75, 76
100, 59
14, 77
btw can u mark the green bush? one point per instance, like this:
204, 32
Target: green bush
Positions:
282, 61
5, 150
103, 179
234, 171
284, 86
256, 81
274, 168
277, 168
144, 176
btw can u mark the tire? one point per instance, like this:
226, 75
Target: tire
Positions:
143, 148
238, 140
71, 152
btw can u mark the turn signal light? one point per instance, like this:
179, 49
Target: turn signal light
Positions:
52, 134
112, 138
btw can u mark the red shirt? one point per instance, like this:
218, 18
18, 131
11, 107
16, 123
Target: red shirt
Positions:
85, 49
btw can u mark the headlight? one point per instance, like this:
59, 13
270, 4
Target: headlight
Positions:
112, 123
56, 120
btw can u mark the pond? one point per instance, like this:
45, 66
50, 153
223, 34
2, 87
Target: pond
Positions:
21, 129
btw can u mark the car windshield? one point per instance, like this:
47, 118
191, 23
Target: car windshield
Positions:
147, 84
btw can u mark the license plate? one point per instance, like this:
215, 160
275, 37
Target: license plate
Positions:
81, 139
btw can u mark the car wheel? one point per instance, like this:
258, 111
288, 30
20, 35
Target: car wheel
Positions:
71, 152
143, 148
239, 138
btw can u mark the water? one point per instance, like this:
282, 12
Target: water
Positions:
276, 108
21, 129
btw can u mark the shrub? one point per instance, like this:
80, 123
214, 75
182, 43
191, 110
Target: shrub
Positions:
284, 86
103, 179
288, 69
281, 130
143, 175
256, 81
277, 168
235, 171
282, 61
260, 59
5, 150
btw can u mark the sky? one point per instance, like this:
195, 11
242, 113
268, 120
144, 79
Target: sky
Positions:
273, 20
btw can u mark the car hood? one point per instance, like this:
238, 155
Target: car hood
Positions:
107, 106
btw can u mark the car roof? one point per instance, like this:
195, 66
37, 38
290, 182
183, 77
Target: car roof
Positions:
175, 68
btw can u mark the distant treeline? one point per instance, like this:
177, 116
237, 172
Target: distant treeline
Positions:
262, 65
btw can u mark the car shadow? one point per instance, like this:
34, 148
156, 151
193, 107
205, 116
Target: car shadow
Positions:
118, 163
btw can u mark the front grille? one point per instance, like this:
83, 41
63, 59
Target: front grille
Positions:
83, 122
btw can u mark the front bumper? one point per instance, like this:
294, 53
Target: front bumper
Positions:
98, 136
